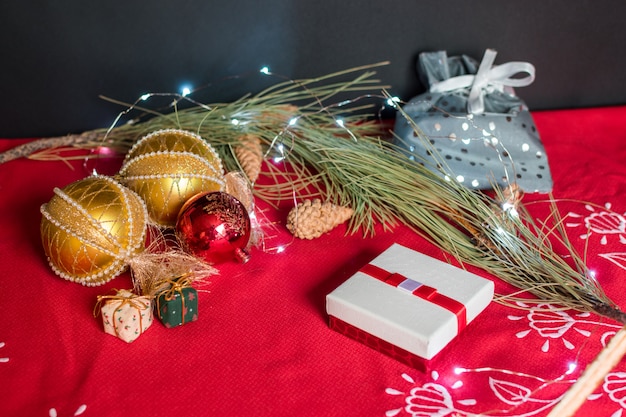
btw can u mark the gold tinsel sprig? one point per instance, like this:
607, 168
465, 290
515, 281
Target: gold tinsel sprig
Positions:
163, 261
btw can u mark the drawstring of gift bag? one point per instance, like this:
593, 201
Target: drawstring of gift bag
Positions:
487, 76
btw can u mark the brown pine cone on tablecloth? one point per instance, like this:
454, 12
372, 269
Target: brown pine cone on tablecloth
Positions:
312, 218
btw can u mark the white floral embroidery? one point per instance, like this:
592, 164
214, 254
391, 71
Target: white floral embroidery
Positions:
605, 223
3, 359
553, 324
618, 258
428, 400
53, 412
433, 399
615, 386
522, 395
515, 395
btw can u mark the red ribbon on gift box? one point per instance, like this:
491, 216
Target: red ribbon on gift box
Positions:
417, 288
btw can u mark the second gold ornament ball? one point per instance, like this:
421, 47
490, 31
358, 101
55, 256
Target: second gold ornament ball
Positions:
168, 167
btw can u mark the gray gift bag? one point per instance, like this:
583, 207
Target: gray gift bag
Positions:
479, 132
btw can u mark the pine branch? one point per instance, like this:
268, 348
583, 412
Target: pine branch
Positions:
332, 152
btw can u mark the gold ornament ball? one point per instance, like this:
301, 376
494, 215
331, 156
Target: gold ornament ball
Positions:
168, 167
91, 228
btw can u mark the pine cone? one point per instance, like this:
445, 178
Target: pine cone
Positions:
311, 219
282, 113
250, 156
512, 195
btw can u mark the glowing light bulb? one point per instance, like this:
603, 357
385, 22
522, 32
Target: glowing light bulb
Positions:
281, 150
280, 249
185, 91
340, 122
293, 121
265, 70
145, 97
235, 122
510, 208
392, 101
570, 368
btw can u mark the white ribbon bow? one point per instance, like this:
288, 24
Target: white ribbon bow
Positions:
497, 76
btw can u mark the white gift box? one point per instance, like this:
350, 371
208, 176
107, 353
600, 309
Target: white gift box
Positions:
407, 304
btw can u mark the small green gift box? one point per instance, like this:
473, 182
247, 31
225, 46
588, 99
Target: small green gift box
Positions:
178, 304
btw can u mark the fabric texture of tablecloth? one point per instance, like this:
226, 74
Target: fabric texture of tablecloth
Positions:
261, 345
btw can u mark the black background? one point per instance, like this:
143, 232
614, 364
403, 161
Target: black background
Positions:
59, 57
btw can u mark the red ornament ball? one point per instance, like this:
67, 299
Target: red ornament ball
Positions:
214, 226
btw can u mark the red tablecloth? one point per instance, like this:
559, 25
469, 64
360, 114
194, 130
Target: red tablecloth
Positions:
262, 345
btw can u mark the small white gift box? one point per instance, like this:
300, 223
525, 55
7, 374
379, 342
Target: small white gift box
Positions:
407, 304
126, 315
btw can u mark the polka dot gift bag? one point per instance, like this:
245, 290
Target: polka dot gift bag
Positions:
477, 131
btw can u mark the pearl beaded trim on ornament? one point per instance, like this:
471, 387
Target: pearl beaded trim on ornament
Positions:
165, 131
126, 192
145, 156
76, 234
187, 133
93, 280
94, 223
219, 181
